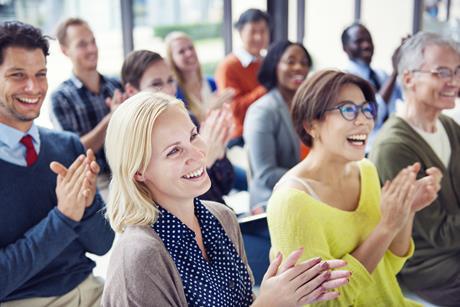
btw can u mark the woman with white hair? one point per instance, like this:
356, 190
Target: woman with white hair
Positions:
174, 249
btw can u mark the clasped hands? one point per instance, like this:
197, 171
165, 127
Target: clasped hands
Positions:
405, 195
310, 281
76, 185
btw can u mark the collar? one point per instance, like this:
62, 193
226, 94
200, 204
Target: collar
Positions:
359, 66
78, 84
168, 222
11, 136
244, 57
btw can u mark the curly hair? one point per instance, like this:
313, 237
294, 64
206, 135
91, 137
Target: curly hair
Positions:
18, 34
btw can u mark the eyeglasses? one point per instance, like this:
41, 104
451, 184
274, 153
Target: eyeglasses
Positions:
443, 72
350, 110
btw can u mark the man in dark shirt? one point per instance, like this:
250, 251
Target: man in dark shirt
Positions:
47, 225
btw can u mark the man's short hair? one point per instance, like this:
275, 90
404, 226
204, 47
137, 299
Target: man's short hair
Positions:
345, 37
413, 49
18, 34
61, 31
252, 15
135, 64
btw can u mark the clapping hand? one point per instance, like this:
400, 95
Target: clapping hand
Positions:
310, 281
427, 188
76, 185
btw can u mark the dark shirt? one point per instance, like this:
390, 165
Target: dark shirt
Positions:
75, 108
43, 252
223, 280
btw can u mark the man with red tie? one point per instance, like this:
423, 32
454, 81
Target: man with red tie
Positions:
49, 210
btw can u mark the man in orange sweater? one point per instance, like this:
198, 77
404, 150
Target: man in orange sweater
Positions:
239, 69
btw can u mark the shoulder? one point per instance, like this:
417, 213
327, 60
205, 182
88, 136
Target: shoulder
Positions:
451, 126
180, 93
368, 170
59, 138
287, 196
63, 90
114, 82
141, 270
230, 61
395, 130
222, 212
226, 218
381, 73
212, 83
267, 105
140, 245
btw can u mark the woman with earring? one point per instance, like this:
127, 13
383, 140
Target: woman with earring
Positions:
271, 141
174, 249
331, 202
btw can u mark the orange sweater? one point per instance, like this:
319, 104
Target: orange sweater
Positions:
230, 73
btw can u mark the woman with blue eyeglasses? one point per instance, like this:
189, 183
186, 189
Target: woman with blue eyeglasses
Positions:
331, 203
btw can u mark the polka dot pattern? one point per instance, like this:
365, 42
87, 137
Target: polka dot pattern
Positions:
223, 280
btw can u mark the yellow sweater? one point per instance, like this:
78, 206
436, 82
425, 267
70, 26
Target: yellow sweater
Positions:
296, 219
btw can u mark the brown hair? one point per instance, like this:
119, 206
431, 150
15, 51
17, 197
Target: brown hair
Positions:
61, 32
135, 64
319, 93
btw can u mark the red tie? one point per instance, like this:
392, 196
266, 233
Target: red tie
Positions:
31, 154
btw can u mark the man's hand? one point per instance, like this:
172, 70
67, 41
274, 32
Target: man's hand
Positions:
117, 99
76, 186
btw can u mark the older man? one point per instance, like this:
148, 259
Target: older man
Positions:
47, 225
430, 74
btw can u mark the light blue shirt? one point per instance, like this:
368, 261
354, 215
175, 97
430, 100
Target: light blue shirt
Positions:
363, 70
11, 150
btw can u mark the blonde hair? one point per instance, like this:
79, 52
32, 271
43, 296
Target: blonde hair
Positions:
194, 104
128, 146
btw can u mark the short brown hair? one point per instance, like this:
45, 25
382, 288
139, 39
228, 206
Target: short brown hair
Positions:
135, 64
61, 32
319, 93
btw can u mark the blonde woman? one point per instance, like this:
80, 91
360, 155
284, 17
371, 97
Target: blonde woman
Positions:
174, 249
198, 92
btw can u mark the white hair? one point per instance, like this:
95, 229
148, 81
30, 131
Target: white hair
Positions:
412, 51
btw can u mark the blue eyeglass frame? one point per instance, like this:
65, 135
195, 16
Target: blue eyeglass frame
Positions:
355, 109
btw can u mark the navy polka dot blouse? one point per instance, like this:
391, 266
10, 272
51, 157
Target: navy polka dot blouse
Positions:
223, 280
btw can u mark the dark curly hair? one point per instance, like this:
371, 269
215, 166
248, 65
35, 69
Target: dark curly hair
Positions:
18, 34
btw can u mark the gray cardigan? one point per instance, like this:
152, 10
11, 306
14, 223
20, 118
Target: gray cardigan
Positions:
272, 144
141, 271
